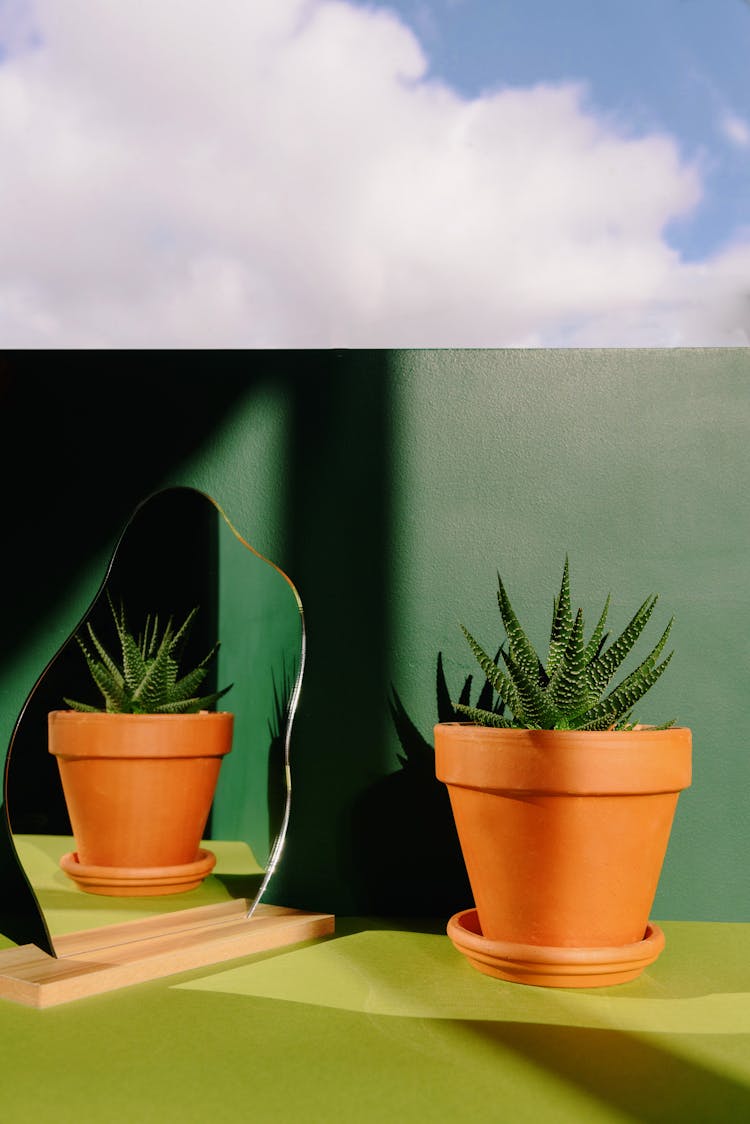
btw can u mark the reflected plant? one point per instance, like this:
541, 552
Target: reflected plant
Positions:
147, 678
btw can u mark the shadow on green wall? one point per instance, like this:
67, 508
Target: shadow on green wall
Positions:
166, 559
83, 440
107, 430
362, 838
416, 868
339, 557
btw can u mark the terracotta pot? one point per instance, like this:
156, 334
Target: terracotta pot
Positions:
139, 789
563, 833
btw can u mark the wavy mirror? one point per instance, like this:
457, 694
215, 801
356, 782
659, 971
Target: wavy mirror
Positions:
178, 551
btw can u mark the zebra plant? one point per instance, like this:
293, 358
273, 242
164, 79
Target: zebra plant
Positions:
570, 691
147, 678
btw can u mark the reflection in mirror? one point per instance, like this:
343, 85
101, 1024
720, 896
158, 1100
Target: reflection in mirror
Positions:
178, 551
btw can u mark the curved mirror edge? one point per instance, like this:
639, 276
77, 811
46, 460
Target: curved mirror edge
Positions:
22, 920
22, 917
286, 673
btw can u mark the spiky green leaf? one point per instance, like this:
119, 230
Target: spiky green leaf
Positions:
625, 696
104, 657
84, 707
569, 689
180, 637
602, 669
567, 694
483, 717
193, 705
536, 710
149, 642
133, 665
186, 687
521, 649
114, 693
154, 687
562, 623
594, 645
485, 699
502, 684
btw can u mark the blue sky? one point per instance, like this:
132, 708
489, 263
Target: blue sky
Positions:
332, 173
682, 66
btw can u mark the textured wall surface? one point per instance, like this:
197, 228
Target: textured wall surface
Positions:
391, 486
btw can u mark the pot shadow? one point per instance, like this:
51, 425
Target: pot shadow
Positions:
405, 840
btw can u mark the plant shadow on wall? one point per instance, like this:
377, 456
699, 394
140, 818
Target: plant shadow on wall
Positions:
405, 836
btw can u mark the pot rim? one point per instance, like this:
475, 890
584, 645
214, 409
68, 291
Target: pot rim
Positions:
575, 762
74, 734
90, 715
641, 728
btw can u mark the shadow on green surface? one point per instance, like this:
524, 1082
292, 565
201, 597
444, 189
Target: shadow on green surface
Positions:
637, 1075
240, 885
631, 1074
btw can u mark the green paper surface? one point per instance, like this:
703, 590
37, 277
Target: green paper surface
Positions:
421, 975
382, 1021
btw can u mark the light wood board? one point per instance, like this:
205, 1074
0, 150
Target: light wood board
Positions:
114, 956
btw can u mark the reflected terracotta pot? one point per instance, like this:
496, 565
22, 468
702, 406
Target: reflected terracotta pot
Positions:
564, 833
138, 788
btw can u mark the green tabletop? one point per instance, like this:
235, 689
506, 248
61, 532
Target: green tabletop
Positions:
385, 1021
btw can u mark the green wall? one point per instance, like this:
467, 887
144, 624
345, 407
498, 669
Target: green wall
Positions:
391, 486
634, 462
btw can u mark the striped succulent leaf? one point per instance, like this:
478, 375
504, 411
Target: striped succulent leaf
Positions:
569, 690
569, 693
504, 686
598, 636
520, 648
604, 667
481, 717
536, 708
562, 623
624, 697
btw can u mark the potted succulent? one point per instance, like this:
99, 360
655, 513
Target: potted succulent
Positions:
139, 772
563, 802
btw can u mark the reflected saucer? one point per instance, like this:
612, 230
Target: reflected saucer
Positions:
549, 966
146, 881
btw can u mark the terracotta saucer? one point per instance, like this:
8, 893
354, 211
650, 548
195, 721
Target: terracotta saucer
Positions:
552, 967
138, 882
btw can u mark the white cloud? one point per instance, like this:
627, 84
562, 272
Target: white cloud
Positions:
735, 129
281, 173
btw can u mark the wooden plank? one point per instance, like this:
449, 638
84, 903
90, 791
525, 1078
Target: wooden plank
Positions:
97, 960
86, 940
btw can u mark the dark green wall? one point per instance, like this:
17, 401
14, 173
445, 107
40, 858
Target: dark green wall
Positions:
391, 486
